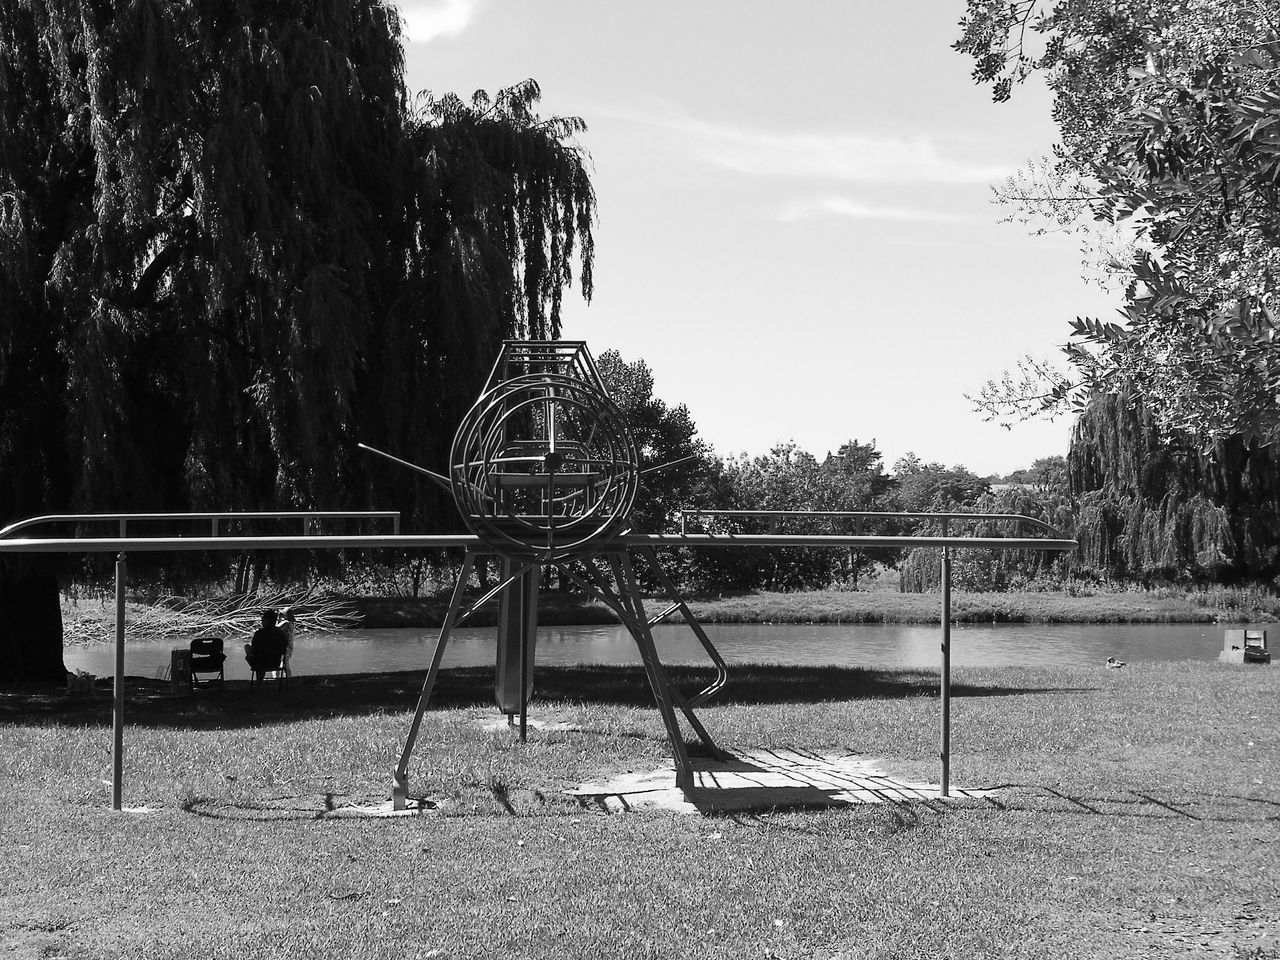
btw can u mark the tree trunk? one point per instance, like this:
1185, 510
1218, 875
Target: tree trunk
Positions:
30, 622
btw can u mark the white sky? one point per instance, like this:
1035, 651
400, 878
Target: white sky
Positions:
796, 230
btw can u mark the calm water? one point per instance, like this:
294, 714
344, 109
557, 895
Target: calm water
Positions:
863, 645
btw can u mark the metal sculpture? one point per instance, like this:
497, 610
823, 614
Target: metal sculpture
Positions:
523, 613
543, 465
544, 472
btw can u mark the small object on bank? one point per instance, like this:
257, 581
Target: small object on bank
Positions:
80, 683
1245, 646
1114, 664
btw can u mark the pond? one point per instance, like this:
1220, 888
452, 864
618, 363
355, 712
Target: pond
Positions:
861, 645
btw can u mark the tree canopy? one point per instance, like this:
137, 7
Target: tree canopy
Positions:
1169, 121
790, 478
231, 247
663, 435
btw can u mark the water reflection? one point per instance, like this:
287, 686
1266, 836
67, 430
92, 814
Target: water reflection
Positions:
863, 645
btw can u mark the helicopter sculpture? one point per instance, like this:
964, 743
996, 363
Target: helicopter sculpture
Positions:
544, 472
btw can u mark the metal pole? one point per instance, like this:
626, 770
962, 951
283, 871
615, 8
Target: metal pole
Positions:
117, 712
945, 752
524, 593
400, 777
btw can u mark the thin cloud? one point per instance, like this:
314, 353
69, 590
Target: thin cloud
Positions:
424, 20
814, 154
840, 156
816, 208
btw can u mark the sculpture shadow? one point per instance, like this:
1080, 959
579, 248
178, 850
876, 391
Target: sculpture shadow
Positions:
153, 703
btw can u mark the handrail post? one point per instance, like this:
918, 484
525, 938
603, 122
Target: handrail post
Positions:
945, 681
117, 710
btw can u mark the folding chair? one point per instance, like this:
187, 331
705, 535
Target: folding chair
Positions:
260, 666
206, 658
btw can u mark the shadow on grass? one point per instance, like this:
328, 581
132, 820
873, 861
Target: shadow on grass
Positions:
1037, 799
793, 778
152, 703
895, 807
1192, 806
328, 806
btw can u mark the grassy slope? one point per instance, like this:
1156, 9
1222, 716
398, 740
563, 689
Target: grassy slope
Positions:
1140, 816
832, 606
856, 607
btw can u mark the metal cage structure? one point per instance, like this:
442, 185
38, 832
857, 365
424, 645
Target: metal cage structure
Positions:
543, 464
544, 472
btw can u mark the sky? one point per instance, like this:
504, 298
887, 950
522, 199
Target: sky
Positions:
796, 228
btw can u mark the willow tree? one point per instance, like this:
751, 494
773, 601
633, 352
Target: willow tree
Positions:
229, 249
1154, 505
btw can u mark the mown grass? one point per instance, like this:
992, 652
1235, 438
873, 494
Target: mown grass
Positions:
1137, 815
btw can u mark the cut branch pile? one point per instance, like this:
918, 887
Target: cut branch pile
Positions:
231, 618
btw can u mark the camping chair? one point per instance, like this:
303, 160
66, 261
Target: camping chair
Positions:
259, 667
206, 658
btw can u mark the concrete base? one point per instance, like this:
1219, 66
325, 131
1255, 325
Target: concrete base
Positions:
763, 780
501, 722
1237, 655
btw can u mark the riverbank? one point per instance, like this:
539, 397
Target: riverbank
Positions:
1159, 841
96, 618
832, 606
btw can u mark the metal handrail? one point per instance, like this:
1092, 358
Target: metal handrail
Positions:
685, 513
439, 541
214, 516
473, 545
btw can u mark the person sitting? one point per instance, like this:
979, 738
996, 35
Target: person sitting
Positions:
266, 650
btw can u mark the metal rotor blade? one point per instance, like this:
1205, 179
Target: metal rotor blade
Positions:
441, 480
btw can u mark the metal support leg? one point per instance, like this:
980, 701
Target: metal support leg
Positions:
400, 778
677, 698
625, 601
945, 691
117, 709
722, 669
629, 591
524, 680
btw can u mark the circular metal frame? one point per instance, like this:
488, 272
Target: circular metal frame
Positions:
543, 466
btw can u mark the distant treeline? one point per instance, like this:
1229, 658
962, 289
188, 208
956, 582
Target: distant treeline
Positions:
1146, 507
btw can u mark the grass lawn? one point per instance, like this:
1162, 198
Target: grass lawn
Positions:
1138, 815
